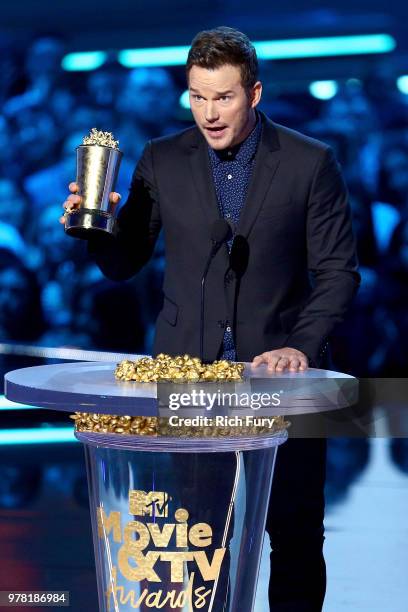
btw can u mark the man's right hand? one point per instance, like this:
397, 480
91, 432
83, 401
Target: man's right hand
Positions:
73, 201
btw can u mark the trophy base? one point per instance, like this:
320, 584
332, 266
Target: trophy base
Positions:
87, 222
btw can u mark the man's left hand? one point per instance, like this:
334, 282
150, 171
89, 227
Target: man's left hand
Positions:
282, 359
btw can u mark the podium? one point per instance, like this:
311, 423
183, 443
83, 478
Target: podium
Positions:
178, 513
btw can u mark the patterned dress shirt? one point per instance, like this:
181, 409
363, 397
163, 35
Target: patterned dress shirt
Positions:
231, 171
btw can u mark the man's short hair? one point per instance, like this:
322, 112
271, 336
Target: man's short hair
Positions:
221, 46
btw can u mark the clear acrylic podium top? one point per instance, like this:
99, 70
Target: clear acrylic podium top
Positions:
92, 387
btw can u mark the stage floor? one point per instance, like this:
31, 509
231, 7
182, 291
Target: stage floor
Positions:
366, 547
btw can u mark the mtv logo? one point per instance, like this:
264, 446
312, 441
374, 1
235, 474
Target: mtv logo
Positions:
153, 503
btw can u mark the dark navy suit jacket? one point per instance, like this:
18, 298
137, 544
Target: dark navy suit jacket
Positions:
292, 272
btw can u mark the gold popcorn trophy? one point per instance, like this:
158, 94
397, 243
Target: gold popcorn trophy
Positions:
98, 161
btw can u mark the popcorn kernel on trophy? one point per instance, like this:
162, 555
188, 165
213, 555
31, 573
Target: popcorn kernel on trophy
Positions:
98, 160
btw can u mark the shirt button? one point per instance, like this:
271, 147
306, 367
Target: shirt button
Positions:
229, 176
227, 216
228, 329
229, 152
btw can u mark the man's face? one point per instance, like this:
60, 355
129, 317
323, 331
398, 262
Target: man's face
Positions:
223, 110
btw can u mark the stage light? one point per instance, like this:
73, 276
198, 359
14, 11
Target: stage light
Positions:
402, 83
184, 99
267, 50
73, 354
46, 435
323, 90
270, 49
325, 46
354, 82
159, 56
87, 60
6, 404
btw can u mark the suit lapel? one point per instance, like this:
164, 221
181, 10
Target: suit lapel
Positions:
266, 163
203, 180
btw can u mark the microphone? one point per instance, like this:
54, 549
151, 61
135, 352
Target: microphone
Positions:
220, 233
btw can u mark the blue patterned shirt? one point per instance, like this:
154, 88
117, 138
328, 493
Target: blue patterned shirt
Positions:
231, 170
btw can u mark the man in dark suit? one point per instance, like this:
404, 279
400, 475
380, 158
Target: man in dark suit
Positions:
274, 291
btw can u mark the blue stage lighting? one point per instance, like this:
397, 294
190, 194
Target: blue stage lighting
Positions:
184, 99
87, 60
159, 56
402, 83
323, 90
5, 404
270, 49
46, 435
325, 46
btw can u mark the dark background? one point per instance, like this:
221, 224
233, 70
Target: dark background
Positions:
51, 294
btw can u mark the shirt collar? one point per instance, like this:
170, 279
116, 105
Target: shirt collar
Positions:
243, 152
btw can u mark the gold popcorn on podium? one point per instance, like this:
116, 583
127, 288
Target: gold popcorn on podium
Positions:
165, 368
180, 369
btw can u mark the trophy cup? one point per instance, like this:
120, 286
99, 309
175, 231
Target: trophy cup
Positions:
98, 160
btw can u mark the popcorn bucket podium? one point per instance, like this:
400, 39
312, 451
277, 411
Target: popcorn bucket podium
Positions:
178, 513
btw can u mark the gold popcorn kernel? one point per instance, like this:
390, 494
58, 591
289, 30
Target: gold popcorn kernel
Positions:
104, 139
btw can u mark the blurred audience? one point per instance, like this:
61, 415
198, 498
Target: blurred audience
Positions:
46, 113
19, 485
21, 316
14, 208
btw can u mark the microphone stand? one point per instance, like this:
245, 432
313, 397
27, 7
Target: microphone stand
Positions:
221, 230
214, 249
